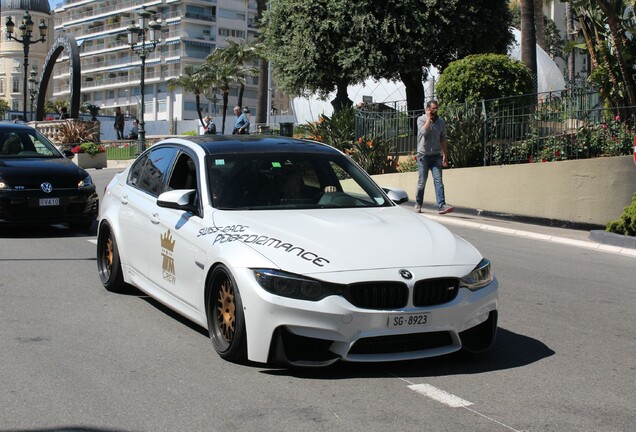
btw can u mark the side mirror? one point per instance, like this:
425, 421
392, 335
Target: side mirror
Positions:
179, 199
398, 196
68, 154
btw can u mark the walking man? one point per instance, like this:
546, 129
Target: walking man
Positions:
120, 121
242, 123
431, 155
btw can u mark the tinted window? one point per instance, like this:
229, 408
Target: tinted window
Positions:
149, 174
286, 181
25, 143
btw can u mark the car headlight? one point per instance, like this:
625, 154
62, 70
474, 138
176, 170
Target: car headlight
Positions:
479, 277
293, 286
3, 185
86, 182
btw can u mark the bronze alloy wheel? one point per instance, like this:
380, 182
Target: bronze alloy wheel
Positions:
225, 316
226, 307
108, 263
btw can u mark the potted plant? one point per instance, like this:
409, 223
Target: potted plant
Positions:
92, 109
90, 155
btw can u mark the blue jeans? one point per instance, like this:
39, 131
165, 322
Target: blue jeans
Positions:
433, 163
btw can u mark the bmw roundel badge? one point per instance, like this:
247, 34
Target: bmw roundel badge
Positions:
406, 274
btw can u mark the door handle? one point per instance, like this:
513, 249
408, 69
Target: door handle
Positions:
154, 218
124, 199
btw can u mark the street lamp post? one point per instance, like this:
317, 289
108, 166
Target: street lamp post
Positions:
33, 90
143, 46
26, 32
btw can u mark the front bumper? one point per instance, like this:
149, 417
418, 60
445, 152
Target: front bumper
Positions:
296, 332
22, 207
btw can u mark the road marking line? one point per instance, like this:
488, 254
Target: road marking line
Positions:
440, 395
447, 399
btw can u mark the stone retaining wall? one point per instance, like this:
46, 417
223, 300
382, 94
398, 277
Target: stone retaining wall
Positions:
587, 191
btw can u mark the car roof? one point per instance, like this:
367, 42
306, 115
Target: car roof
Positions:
217, 144
13, 126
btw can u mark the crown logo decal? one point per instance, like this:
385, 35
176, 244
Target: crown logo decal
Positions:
167, 242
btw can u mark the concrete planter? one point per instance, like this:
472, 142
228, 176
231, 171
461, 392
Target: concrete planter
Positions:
97, 161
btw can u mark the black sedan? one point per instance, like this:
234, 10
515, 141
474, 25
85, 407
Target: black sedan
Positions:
39, 184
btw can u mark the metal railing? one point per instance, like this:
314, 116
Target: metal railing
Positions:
568, 124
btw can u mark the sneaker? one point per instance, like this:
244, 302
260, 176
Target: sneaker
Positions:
418, 208
445, 208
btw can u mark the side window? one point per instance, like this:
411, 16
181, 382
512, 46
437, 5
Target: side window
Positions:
151, 175
184, 174
136, 169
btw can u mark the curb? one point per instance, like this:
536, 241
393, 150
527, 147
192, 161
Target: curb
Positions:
601, 247
613, 239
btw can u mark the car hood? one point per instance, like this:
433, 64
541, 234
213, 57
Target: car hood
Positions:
335, 240
60, 172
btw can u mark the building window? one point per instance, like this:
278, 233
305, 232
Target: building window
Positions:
16, 85
1, 86
189, 106
162, 106
14, 104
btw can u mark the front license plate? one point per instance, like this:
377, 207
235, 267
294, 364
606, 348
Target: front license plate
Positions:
409, 320
49, 201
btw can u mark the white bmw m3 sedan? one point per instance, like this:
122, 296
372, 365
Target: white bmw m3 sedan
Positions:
289, 254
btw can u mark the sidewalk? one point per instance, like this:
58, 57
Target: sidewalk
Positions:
589, 239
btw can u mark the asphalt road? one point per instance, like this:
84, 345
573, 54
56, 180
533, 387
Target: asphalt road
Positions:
75, 357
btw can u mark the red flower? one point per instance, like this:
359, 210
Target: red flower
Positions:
617, 118
556, 153
76, 149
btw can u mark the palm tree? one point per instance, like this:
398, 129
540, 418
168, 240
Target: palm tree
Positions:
528, 39
240, 54
263, 72
539, 24
193, 81
217, 73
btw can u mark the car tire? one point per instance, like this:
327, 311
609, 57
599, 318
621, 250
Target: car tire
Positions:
108, 262
226, 321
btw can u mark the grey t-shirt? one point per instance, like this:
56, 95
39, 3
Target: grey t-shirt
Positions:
429, 141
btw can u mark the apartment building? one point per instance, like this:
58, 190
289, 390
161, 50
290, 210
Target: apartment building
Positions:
12, 52
111, 71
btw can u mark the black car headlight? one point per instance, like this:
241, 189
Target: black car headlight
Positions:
3, 185
85, 182
292, 285
479, 277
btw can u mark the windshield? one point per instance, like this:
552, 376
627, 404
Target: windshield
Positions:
25, 143
290, 181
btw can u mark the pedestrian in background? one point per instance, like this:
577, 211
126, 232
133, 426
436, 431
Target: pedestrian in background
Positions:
134, 131
242, 123
210, 126
431, 155
64, 113
120, 121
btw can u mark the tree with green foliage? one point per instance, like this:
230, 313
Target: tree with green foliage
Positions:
193, 81
483, 76
318, 46
4, 108
240, 54
605, 25
217, 73
417, 34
